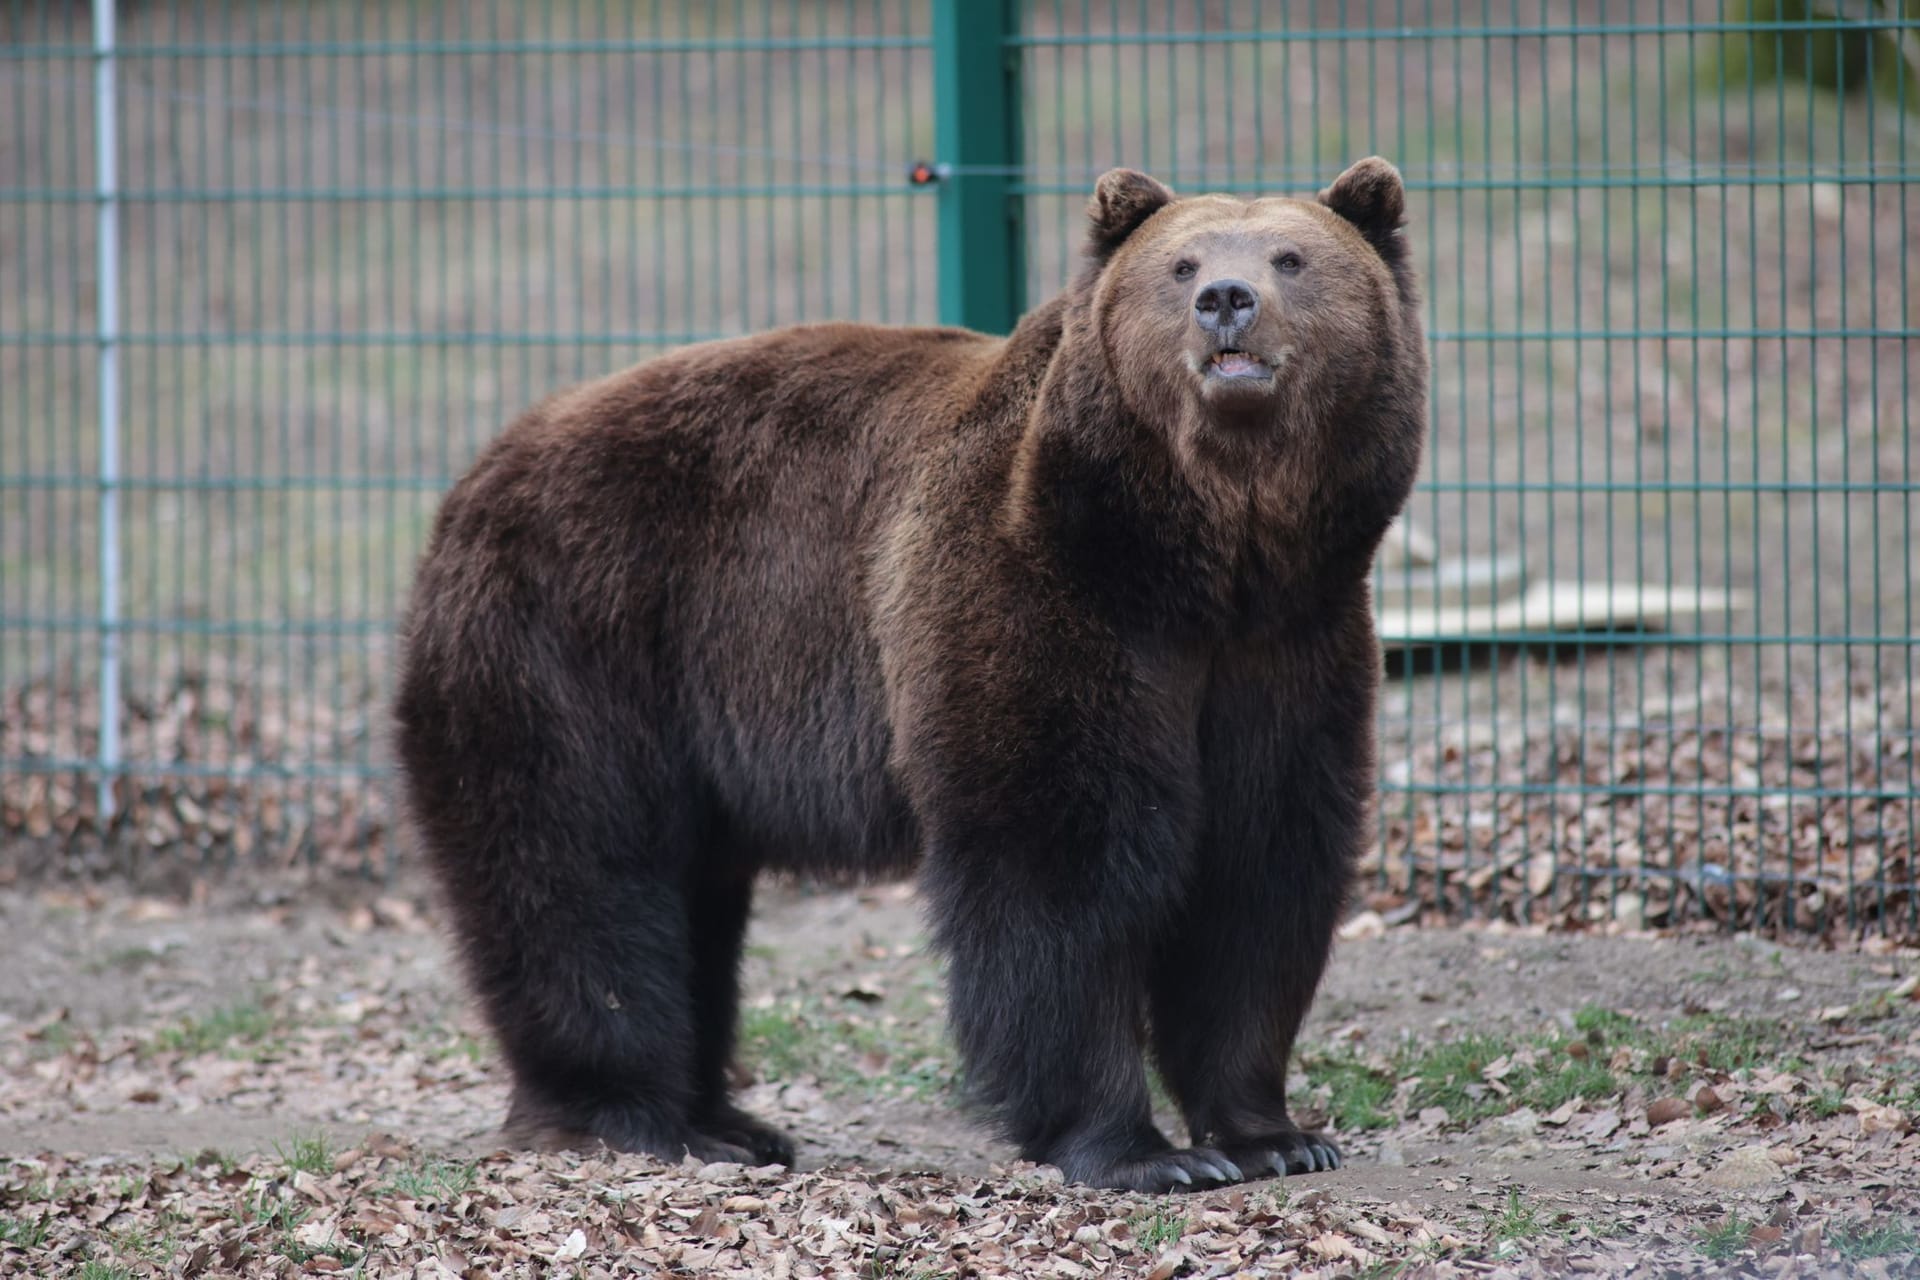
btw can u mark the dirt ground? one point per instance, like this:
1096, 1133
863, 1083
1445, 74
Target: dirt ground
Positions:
272, 1085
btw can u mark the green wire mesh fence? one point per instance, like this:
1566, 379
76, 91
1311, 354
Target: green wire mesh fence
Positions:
1650, 624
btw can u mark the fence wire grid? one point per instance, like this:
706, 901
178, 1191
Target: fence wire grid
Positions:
1650, 625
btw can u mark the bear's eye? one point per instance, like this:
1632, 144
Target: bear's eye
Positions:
1288, 262
1184, 269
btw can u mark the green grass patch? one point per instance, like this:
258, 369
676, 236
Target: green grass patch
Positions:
280, 1216
1605, 1052
127, 959
1713, 975
54, 1039
1593, 1020
900, 1267
1418, 1260
437, 1180
246, 1023
440, 1040
306, 1153
466, 1045
1724, 1238
344, 1250
155, 1243
900, 1051
1718, 1042
1450, 1077
1727, 1043
1360, 1096
1158, 1228
1861, 1238
1582, 1078
1451, 1074
1517, 1220
225, 1161
275, 1212
775, 1041
1904, 1093
96, 1269
21, 1232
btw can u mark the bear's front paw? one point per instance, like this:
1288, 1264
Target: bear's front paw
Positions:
1174, 1169
1283, 1152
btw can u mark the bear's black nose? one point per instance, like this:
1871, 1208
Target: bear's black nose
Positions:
1226, 306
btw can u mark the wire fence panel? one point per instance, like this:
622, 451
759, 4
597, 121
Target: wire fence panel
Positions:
357, 238
1655, 608
1651, 621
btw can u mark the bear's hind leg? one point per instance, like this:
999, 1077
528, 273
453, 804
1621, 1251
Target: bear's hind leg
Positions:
720, 906
593, 1012
563, 867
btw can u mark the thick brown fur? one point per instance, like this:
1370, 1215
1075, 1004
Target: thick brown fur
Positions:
1075, 621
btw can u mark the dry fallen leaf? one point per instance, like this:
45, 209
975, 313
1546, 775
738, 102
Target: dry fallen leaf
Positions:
1744, 1169
1667, 1110
1877, 1117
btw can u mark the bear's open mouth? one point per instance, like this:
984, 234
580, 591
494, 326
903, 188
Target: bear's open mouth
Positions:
1230, 363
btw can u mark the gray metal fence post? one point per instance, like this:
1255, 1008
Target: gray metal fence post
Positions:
105, 180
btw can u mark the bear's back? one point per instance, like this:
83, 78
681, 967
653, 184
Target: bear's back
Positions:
689, 540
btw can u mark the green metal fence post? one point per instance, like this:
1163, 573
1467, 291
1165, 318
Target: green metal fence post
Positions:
977, 139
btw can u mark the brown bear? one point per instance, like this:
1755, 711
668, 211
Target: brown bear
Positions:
1076, 621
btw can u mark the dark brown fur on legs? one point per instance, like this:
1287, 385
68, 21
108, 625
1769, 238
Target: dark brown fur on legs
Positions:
1077, 620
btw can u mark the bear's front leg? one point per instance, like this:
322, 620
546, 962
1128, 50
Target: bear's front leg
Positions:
1289, 774
1046, 1004
1051, 867
1228, 1001
1054, 778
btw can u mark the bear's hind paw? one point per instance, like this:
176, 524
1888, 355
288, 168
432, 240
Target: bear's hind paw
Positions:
736, 1128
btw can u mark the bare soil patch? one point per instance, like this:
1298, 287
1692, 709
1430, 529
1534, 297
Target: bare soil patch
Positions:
266, 1085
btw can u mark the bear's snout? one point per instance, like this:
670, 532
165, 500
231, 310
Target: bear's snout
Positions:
1226, 309
1230, 355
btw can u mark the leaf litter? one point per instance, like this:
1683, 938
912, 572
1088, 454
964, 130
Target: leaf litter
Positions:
317, 1098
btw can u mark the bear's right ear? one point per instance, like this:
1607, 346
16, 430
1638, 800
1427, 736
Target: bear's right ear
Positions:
1121, 201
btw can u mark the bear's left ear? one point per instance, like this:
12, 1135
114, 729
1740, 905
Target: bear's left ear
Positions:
1121, 201
1371, 197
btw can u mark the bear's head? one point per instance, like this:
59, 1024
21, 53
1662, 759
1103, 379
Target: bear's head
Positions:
1238, 324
